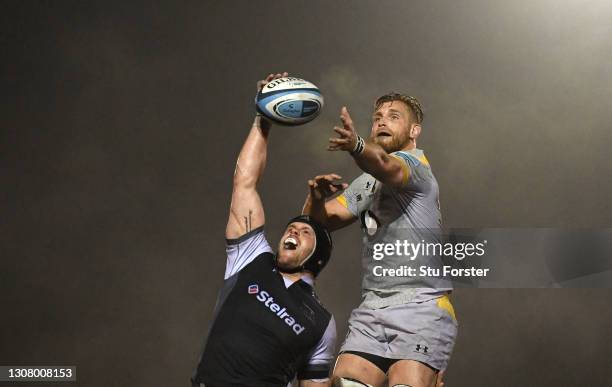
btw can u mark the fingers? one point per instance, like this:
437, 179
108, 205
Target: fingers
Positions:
343, 142
269, 78
337, 144
329, 177
342, 132
336, 147
279, 75
340, 146
326, 185
261, 83
339, 141
347, 121
335, 188
347, 135
312, 185
329, 182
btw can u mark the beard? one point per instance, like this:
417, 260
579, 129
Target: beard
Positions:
390, 143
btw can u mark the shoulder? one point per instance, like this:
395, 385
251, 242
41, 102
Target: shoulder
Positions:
413, 158
245, 249
417, 169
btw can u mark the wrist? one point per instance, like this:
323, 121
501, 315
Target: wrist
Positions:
315, 198
260, 121
359, 146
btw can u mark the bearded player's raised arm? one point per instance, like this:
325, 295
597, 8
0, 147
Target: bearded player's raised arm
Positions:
369, 156
246, 209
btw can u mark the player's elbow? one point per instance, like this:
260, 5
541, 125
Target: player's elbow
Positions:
385, 167
391, 174
244, 180
393, 179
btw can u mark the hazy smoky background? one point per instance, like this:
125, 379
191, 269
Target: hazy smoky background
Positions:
120, 125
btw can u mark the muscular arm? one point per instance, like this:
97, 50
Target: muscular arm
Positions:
246, 210
386, 168
330, 213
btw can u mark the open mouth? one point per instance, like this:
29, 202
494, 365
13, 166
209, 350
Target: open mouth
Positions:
290, 243
383, 134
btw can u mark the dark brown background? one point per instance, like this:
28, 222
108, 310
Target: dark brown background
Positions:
120, 125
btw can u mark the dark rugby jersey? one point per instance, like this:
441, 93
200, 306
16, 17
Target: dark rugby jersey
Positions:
267, 330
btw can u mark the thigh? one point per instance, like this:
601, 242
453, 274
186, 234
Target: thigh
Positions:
412, 373
356, 367
423, 332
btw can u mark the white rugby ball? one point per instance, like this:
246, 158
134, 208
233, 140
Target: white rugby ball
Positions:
289, 101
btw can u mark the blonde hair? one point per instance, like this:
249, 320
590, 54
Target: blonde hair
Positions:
413, 104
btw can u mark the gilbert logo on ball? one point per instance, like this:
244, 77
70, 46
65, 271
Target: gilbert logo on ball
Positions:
289, 101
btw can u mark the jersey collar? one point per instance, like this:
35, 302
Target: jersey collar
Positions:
304, 278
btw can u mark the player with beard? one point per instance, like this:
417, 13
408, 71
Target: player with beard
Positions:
269, 326
404, 330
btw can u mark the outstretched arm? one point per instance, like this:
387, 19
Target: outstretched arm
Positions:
246, 209
370, 157
330, 213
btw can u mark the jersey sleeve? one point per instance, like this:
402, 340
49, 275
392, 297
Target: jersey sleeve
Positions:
242, 251
321, 358
359, 195
417, 174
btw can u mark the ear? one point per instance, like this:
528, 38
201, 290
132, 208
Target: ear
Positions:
415, 130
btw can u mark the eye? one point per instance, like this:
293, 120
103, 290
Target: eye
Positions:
395, 116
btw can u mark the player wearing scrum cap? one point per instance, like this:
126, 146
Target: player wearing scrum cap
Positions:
269, 326
404, 330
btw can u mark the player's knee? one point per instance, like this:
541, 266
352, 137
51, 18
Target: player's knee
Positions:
338, 381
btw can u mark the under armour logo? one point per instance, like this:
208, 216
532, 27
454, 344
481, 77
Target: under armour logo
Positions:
423, 347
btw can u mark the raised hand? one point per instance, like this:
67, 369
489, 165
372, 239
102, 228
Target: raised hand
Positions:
261, 83
259, 119
325, 186
347, 136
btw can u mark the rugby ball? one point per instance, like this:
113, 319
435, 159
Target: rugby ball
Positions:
289, 101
